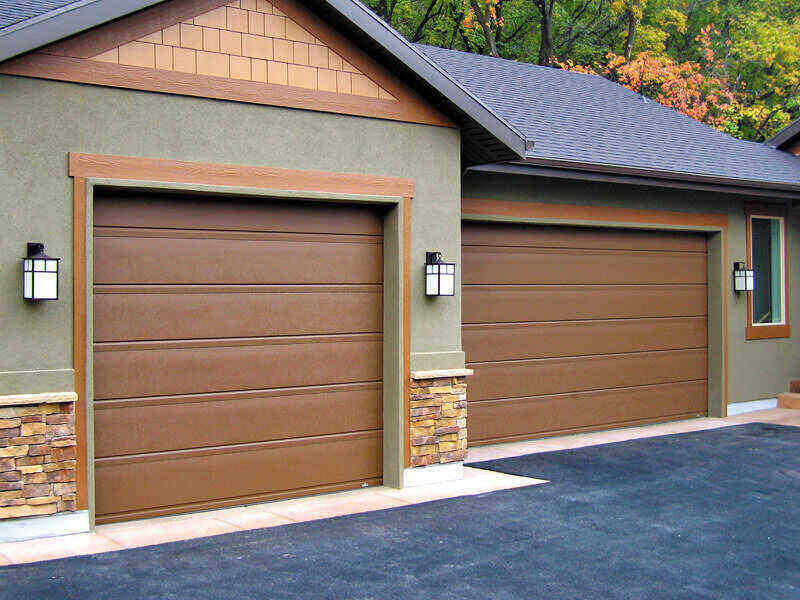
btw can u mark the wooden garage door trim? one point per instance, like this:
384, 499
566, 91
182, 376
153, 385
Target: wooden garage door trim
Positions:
503, 211
88, 169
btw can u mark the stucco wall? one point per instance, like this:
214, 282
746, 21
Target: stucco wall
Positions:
757, 368
44, 120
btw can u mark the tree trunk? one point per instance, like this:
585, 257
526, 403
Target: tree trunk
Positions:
486, 27
546, 43
633, 22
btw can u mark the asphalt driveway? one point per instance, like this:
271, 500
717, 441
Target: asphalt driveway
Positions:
711, 514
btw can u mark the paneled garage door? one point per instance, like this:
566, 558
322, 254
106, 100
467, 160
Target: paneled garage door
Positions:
237, 351
572, 329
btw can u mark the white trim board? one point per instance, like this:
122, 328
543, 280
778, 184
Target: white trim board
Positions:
433, 474
738, 408
29, 528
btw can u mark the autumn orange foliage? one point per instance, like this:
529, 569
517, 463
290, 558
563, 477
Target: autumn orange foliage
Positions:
688, 87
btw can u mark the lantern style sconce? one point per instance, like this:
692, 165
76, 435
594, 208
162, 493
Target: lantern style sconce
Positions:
743, 278
39, 274
440, 277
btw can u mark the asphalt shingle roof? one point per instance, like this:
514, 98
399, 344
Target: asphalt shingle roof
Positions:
16, 11
578, 118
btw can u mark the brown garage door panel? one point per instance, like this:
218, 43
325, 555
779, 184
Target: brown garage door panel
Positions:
238, 474
575, 328
130, 260
126, 370
238, 350
516, 379
506, 304
503, 420
181, 422
128, 312
494, 342
532, 266
489, 234
233, 214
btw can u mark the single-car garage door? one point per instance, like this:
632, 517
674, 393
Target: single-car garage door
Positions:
237, 351
572, 329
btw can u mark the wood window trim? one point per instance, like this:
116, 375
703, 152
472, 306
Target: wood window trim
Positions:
83, 167
777, 331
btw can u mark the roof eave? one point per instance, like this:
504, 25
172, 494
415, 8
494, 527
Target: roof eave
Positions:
428, 71
786, 136
63, 22
651, 178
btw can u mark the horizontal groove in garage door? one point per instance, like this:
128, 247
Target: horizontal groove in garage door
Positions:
218, 261
519, 341
568, 266
138, 425
233, 395
557, 414
188, 370
519, 303
215, 475
531, 377
234, 311
221, 234
235, 342
235, 448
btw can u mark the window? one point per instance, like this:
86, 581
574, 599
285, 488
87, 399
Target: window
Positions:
767, 305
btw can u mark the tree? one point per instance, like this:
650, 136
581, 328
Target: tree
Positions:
734, 64
681, 86
484, 15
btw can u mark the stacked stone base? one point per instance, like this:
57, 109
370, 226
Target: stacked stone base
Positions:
37, 455
438, 420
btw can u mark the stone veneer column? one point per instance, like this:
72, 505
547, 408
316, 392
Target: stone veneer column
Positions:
37, 454
438, 403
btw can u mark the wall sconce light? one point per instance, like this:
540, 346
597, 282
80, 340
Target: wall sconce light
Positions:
743, 278
440, 277
39, 274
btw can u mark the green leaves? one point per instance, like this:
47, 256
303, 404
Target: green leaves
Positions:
734, 64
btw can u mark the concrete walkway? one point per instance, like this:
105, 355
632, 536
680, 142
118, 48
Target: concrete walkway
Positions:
147, 532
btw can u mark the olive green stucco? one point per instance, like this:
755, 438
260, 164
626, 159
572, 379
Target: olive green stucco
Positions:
44, 120
757, 368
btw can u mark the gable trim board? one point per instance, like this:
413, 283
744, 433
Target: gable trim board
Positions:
76, 60
89, 171
715, 226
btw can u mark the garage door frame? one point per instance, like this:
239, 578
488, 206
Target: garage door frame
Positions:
126, 173
715, 226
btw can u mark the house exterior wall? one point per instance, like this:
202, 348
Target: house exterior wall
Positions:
756, 368
54, 118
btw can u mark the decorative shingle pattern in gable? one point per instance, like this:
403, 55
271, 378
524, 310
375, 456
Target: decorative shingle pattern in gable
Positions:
248, 40
15, 11
585, 119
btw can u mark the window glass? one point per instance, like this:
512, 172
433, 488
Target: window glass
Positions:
767, 255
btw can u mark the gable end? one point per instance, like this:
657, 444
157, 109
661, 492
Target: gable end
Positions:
265, 52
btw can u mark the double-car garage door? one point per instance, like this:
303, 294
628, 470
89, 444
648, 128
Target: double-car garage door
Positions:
237, 351
571, 329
